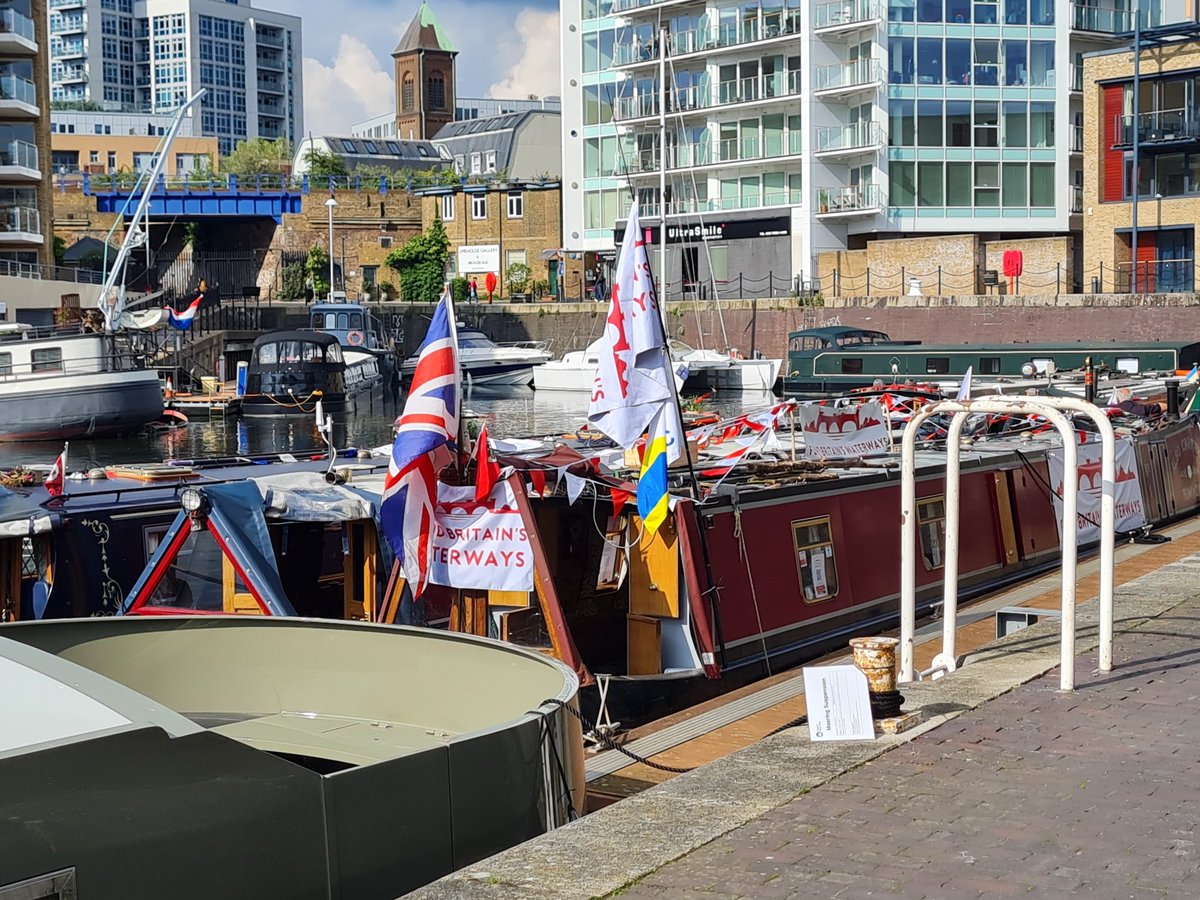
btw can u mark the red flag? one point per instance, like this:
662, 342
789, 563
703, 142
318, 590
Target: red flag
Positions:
538, 478
56, 480
487, 471
619, 497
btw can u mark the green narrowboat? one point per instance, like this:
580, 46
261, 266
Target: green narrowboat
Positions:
836, 359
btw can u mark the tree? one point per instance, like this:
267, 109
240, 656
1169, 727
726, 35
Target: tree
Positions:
421, 264
323, 164
60, 250
258, 157
317, 267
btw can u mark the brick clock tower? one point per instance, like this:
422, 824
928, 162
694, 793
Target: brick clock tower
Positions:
424, 78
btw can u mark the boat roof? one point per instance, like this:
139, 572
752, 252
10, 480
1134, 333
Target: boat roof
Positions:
310, 337
1012, 347
339, 306
832, 332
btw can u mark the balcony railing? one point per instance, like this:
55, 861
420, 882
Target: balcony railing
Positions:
67, 4
857, 198
273, 63
1112, 19
1076, 198
839, 13
72, 74
848, 75
1076, 77
1156, 276
690, 206
73, 25
72, 49
849, 137
13, 87
1076, 138
697, 97
20, 218
1164, 125
19, 153
269, 40
13, 22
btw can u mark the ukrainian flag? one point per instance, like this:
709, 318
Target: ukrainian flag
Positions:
652, 485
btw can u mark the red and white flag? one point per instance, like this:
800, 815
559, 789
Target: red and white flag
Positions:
487, 472
56, 480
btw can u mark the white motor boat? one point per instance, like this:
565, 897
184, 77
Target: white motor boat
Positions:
576, 371
713, 370
483, 361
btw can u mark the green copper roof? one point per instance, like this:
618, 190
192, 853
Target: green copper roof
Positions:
424, 33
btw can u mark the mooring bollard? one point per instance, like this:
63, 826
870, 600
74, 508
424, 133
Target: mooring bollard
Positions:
875, 657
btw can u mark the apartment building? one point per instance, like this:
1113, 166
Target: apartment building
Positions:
25, 210
151, 55
105, 142
772, 131
1142, 236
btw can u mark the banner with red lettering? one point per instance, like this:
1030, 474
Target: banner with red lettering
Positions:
481, 545
1130, 514
844, 431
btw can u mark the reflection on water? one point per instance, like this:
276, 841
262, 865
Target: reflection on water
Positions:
509, 411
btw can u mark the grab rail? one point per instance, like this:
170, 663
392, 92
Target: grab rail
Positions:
1051, 409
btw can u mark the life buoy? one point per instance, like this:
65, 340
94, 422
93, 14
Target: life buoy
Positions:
354, 338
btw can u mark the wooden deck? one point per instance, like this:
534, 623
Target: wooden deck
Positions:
224, 402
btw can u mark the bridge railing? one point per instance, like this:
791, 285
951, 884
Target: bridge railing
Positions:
124, 182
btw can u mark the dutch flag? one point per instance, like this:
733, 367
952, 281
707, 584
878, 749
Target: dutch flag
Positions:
183, 320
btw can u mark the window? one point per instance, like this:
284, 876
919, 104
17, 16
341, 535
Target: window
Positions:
852, 366
437, 92
5, 364
516, 205
479, 206
370, 274
407, 94
937, 365
1130, 365
448, 208
931, 524
514, 258
489, 161
815, 563
268, 354
989, 365
47, 359
476, 164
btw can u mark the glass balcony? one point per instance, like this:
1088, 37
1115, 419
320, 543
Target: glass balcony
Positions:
72, 74
845, 76
1109, 18
73, 25
13, 22
1076, 138
1076, 78
13, 87
268, 40
846, 138
860, 199
20, 218
68, 4
19, 153
682, 100
844, 13
1076, 198
1164, 126
72, 49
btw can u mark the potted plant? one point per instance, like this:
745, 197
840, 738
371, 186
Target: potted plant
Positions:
517, 280
541, 290
387, 290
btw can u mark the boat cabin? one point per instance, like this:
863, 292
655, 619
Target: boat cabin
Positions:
354, 325
290, 370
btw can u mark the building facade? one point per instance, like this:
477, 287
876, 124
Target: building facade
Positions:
105, 142
523, 146
1142, 237
25, 208
773, 132
151, 55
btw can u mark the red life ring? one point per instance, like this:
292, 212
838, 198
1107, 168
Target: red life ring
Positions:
354, 338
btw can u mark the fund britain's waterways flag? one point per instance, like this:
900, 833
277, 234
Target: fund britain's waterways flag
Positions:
425, 442
832, 432
633, 390
1127, 491
480, 543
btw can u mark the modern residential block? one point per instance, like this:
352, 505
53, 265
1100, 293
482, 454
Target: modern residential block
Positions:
25, 210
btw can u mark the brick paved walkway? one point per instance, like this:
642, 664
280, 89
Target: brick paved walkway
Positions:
1034, 794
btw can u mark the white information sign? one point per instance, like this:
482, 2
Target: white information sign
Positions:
844, 431
839, 707
479, 258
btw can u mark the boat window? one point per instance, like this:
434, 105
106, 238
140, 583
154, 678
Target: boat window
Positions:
852, 366
989, 365
815, 563
474, 339
931, 519
313, 352
343, 321
1128, 364
5, 364
268, 354
1042, 366
333, 353
47, 359
193, 580
356, 321
808, 343
937, 365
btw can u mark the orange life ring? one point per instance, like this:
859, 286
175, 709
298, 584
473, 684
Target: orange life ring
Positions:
354, 338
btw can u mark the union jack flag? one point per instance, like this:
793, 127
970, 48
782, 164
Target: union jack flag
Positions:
426, 442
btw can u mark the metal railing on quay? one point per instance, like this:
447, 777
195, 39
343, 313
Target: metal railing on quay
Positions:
38, 271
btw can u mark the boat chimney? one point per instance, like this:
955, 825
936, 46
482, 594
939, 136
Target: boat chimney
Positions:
1089, 380
1172, 385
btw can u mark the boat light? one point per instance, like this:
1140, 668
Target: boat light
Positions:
192, 501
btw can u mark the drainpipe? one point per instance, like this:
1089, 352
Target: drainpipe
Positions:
1137, 161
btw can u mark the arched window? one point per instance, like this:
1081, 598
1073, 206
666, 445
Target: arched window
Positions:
437, 92
407, 94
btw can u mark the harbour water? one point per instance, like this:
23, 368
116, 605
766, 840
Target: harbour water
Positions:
509, 412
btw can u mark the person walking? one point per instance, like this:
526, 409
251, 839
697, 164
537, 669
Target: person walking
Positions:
601, 286
473, 292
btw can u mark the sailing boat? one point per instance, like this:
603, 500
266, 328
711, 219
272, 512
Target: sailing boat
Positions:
83, 380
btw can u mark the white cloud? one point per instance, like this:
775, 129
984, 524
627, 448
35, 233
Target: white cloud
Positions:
530, 57
353, 88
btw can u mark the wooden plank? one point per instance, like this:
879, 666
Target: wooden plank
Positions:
393, 593
644, 634
233, 601
1008, 531
654, 571
509, 598
370, 551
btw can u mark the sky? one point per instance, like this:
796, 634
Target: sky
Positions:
506, 48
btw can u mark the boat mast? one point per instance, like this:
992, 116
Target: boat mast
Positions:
112, 296
662, 181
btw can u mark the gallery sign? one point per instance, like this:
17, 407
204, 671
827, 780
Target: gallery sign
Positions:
476, 258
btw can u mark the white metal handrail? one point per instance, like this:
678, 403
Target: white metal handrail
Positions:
1050, 408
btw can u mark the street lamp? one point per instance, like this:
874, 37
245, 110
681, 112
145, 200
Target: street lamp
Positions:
330, 204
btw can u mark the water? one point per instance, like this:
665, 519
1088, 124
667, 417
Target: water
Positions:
509, 412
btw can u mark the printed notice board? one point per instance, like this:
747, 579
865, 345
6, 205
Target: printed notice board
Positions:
839, 708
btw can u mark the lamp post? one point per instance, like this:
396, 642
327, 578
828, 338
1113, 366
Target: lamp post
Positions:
330, 204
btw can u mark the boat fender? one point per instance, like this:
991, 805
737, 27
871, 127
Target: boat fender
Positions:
354, 338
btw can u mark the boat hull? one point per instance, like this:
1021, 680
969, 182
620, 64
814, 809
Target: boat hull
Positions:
557, 377
99, 404
737, 375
